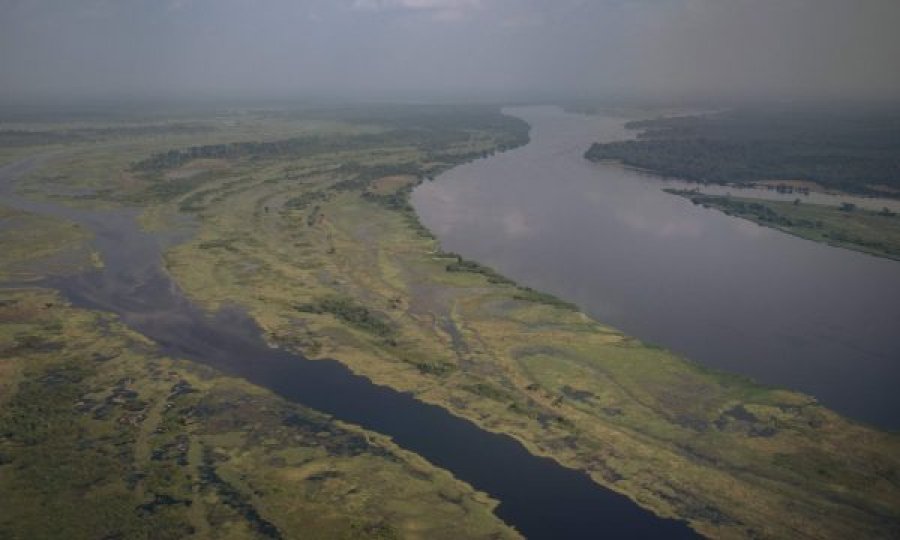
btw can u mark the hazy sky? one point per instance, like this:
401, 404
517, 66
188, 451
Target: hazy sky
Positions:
447, 48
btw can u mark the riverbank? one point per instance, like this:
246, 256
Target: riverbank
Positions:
344, 273
34, 246
541, 498
332, 264
850, 150
875, 233
102, 436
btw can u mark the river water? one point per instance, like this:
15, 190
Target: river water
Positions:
719, 290
538, 497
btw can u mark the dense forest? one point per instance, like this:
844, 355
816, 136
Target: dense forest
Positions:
853, 151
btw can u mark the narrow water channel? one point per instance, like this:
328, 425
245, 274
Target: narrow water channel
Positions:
538, 497
719, 290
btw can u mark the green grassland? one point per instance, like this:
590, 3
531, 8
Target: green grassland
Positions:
93, 160
101, 438
320, 245
332, 266
876, 233
90, 163
33, 246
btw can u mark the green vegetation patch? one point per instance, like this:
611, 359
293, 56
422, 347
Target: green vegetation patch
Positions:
461, 264
32, 245
735, 459
856, 151
637, 418
876, 233
352, 313
102, 438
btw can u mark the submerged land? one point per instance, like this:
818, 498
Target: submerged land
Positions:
302, 218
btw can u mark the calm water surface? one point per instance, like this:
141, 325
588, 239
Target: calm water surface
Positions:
721, 291
537, 496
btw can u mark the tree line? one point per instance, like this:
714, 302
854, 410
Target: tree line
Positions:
851, 151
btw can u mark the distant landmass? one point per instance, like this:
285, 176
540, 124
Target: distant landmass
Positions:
855, 151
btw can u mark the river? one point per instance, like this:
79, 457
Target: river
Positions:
537, 496
718, 290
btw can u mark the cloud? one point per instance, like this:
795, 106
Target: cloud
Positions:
491, 49
526, 19
793, 48
175, 6
439, 5
442, 10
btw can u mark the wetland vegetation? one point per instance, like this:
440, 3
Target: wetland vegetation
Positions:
34, 245
876, 233
114, 439
352, 269
317, 241
101, 436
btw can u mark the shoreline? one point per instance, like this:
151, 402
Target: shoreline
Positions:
564, 385
761, 186
715, 202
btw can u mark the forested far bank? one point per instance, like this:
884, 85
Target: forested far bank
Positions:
851, 151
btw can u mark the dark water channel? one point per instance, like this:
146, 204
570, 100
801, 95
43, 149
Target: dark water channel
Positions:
721, 291
537, 496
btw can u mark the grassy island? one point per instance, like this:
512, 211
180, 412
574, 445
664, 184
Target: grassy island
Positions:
875, 233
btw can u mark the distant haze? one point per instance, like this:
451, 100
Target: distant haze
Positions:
423, 49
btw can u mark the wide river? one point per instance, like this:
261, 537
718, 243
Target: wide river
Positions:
721, 291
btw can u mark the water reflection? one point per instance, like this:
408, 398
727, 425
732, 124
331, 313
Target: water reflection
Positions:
722, 291
537, 496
